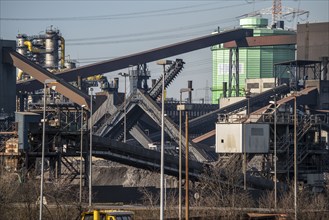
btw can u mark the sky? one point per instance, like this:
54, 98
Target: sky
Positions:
95, 31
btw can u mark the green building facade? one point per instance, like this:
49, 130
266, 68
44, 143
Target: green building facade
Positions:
254, 62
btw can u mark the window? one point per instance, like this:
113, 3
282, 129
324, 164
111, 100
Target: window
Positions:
253, 86
268, 85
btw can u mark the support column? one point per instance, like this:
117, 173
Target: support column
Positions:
230, 66
237, 74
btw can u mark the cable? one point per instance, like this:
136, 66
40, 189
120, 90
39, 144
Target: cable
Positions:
188, 12
188, 27
134, 40
155, 38
115, 16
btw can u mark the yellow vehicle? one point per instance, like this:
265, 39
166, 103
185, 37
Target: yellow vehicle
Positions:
107, 215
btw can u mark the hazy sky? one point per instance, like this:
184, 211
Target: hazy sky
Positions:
100, 30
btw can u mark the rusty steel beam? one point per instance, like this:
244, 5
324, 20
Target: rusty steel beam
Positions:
263, 41
204, 136
144, 57
8, 132
41, 74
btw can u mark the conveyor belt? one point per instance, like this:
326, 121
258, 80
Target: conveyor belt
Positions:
206, 123
140, 157
133, 112
171, 73
41, 74
143, 57
149, 159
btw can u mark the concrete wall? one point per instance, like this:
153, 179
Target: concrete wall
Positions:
312, 41
323, 89
7, 81
256, 86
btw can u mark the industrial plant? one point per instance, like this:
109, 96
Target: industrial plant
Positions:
268, 118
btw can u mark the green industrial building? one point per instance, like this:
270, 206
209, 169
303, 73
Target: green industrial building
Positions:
253, 62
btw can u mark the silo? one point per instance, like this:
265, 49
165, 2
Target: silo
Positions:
22, 49
253, 62
51, 46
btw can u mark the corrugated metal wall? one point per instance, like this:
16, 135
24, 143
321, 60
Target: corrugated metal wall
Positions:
254, 63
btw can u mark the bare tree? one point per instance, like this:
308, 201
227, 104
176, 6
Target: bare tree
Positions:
9, 185
221, 188
266, 200
19, 199
310, 205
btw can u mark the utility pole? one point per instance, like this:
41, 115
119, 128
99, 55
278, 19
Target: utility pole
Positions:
163, 63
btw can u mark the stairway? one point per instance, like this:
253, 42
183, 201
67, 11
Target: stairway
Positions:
303, 127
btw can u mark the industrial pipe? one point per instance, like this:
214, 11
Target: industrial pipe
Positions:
28, 44
62, 52
190, 92
19, 74
8, 132
95, 77
30, 47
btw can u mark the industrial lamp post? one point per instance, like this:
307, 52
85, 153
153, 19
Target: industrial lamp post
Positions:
124, 108
295, 155
180, 108
275, 156
275, 150
47, 82
90, 145
81, 148
245, 162
187, 107
163, 63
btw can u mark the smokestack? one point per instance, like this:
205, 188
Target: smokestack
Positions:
116, 82
189, 84
79, 82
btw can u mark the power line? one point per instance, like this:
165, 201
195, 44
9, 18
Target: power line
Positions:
126, 15
191, 11
155, 38
188, 27
152, 38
